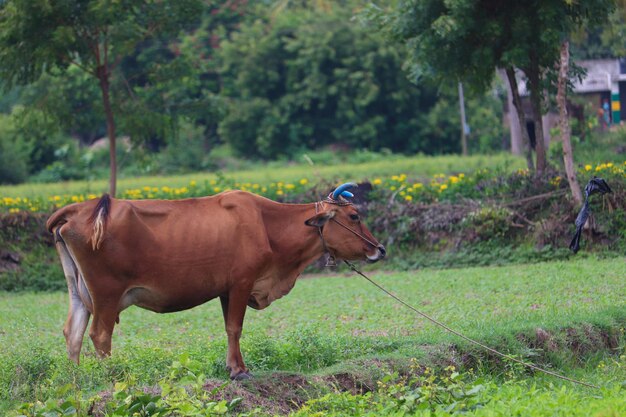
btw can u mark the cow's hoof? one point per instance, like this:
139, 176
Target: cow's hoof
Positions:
241, 376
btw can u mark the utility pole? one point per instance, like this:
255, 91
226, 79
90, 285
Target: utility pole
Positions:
464, 126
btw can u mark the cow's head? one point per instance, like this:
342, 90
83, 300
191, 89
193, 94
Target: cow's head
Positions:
342, 231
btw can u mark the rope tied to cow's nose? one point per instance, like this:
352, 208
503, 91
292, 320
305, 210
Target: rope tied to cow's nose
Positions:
365, 239
462, 336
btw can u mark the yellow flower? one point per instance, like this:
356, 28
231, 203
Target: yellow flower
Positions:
216, 189
377, 181
304, 181
290, 186
408, 198
279, 192
192, 183
587, 167
443, 187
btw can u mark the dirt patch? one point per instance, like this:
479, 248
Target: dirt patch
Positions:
281, 393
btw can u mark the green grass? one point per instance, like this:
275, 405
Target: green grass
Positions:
323, 322
416, 166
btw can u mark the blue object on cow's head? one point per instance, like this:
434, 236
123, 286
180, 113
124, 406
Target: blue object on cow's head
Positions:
342, 191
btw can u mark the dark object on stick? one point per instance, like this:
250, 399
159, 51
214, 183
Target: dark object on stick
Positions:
596, 185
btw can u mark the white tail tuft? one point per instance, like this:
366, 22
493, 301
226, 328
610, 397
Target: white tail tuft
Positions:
98, 230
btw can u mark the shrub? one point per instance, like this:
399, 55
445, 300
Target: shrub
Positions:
488, 223
14, 154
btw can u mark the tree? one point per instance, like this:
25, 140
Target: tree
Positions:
311, 76
603, 41
38, 36
561, 99
467, 39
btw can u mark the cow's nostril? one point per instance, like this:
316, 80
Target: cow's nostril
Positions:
382, 250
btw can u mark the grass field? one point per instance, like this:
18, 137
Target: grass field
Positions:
327, 323
416, 166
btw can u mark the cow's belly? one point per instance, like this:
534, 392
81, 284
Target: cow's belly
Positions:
170, 299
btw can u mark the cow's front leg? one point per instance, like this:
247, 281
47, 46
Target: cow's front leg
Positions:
234, 309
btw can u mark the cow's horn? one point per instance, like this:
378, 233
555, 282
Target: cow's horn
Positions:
341, 190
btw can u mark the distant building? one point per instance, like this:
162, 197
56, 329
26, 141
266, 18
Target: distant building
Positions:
603, 88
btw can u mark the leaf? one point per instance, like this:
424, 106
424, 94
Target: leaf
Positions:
234, 402
475, 390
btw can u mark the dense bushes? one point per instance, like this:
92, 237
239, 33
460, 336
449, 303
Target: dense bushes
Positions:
313, 79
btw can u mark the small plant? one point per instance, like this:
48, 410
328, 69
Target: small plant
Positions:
488, 222
181, 393
427, 389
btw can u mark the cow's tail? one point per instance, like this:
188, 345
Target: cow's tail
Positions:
98, 219
59, 218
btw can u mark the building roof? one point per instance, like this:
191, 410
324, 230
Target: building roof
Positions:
602, 75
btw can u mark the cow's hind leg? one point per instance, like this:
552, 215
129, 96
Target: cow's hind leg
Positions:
101, 330
234, 309
78, 314
224, 303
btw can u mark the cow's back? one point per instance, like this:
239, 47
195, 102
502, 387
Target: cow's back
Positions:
169, 255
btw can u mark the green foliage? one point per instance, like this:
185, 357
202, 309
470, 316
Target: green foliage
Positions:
71, 100
604, 41
489, 222
180, 393
442, 36
427, 390
14, 153
291, 89
447, 392
54, 36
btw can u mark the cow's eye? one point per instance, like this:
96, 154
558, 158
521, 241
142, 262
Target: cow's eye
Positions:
354, 217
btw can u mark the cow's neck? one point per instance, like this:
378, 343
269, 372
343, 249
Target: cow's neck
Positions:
294, 246
297, 244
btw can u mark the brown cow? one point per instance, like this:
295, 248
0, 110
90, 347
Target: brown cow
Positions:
169, 256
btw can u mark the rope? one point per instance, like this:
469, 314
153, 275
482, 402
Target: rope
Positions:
440, 324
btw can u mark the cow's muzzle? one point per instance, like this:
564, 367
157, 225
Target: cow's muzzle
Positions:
380, 254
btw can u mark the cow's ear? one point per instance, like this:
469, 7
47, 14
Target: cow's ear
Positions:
320, 219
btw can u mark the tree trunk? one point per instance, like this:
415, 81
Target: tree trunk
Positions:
564, 126
463, 120
534, 84
517, 103
103, 77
